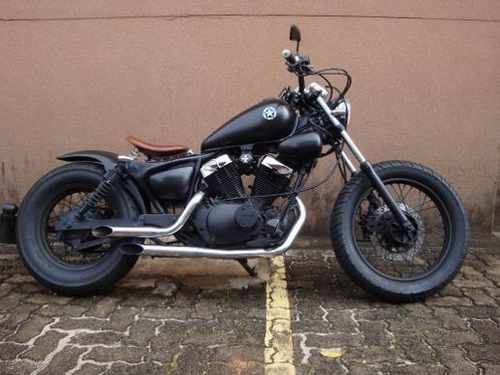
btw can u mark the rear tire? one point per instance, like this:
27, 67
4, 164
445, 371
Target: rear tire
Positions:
355, 264
61, 277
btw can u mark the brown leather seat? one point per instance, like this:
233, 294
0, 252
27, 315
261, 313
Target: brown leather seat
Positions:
151, 150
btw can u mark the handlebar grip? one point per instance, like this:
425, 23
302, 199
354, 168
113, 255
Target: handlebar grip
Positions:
290, 57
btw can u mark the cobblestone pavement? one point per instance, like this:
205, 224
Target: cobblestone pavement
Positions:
145, 326
152, 325
455, 332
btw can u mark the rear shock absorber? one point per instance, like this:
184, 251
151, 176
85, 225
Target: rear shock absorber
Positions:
101, 192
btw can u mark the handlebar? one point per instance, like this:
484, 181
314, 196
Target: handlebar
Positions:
300, 65
290, 57
297, 64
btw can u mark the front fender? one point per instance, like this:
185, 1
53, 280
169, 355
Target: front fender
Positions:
108, 161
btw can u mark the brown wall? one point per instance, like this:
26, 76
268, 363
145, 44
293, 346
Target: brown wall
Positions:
79, 75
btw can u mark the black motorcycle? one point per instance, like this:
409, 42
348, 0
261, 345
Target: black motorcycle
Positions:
398, 228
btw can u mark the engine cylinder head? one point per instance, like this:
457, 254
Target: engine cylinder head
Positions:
272, 177
223, 178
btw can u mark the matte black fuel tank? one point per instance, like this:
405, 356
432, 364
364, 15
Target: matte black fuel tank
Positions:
267, 121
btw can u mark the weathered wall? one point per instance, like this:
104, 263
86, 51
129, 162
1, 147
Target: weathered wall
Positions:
79, 75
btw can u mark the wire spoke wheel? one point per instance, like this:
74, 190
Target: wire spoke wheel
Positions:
384, 245
60, 245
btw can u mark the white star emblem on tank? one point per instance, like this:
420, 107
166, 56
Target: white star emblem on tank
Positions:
269, 113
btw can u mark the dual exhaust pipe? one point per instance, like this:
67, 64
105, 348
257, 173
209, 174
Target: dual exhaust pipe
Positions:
193, 252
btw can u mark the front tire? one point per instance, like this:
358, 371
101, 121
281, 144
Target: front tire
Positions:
62, 274
370, 275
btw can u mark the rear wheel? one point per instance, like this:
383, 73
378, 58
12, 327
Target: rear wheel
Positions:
374, 251
51, 255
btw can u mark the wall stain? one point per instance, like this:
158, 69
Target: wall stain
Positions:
8, 189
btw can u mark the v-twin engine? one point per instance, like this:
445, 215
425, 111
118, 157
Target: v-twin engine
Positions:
230, 217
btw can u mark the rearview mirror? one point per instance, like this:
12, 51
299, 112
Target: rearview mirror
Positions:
294, 33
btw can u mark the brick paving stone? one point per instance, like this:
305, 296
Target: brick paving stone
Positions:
112, 354
10, 301
448, 301
456, 363
450, 319
47, 298
149, 368
57, 310
10, 350
19, 314
141, 332
484, 353
477, 312
493, 292
67, 323
341, 321
205, 309
451, 290
63, 361
490, 369
103, 307
121, 318
16, 367
447, 338
179, 313
97, 338
328, 340
460, 283
30, 328
415, 349
488, 330
90, 369
418, 370
5, 288
20, 279
479, 297
375, 333
43, 345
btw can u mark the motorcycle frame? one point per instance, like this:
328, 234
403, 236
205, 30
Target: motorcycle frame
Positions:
139, 173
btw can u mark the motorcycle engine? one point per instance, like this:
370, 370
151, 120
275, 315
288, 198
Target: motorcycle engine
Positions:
224, 220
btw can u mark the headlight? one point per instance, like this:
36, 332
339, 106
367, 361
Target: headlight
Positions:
343, 111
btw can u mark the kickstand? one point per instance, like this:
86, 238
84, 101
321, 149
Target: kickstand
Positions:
244, 264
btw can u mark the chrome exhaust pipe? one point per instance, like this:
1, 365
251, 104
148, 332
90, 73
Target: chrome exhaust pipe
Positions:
149, 232
193, 252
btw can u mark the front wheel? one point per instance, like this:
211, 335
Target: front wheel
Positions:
373, 250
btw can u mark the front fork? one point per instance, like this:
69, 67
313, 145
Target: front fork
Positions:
366, 167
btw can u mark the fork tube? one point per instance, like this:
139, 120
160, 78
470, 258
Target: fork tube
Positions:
386, 196
367, 168
348, 162
354, 149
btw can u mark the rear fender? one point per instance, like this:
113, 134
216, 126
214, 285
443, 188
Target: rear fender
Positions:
105, 158
108, 160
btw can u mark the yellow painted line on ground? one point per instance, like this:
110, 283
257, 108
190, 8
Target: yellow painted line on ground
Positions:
278, 354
